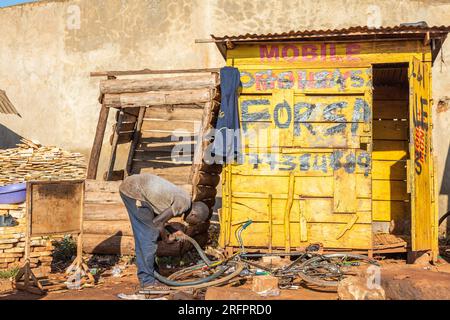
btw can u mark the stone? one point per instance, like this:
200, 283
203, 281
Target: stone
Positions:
43, 249
222, 293
46, 259
356, 288
10, 255
423, 260
265, 285
6, 246
5, 286
8, 241
7, 260
18, 214
416, 284
40, 254
15, 250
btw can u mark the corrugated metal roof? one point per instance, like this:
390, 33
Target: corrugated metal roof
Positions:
352, 32
6, 106
407, 31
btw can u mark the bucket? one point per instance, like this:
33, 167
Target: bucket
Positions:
13, 193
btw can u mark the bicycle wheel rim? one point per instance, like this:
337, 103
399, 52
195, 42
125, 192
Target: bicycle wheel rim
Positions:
327, 257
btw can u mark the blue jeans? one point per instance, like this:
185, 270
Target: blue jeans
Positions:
145, 238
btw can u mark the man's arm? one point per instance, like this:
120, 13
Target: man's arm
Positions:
162, 218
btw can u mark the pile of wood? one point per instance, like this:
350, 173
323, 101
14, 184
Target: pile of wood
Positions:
32, 161
12, 244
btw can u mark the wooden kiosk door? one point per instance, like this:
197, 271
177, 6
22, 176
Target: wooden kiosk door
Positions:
421, 168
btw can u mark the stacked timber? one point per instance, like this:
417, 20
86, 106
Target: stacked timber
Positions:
12, 243
167, 120
32, 161
107, 229
205, 177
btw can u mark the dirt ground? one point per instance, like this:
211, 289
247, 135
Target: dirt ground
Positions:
108, 286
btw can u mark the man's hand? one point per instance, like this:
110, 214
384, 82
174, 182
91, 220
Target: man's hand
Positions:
164, 234
176, 236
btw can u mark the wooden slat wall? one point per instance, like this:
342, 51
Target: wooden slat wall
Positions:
164, 127
390, 139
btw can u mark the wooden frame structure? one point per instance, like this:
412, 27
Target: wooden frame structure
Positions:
148, 112
53, 207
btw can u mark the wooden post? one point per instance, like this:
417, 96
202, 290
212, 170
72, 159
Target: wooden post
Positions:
98, 142
136, 138
115, 142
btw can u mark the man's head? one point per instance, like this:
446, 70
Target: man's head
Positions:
199, 213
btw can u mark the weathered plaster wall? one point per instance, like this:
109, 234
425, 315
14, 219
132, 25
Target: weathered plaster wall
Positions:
46, 54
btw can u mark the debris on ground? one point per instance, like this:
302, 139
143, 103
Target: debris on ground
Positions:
359, 288
266, 286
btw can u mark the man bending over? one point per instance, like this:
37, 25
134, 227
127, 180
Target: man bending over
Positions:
160, 200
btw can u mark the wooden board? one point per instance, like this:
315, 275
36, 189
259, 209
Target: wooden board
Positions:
55, 207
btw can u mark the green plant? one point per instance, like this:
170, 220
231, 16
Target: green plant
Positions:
64, 249
7, 274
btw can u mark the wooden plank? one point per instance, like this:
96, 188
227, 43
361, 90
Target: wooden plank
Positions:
100, 211
150, 136
170, 146
103, 197
127, 100
55, 207
173, 125
389, 170
135, 139
390, 150
99, 186
390, 130
391, 109
344, 199
269, 56
105, 244
390, 93
156, 84
108, 227
164, 157
124, 137
315, 210
331, 80
98, 142
358, 237
384, 210
178, 112
148, 71
112, 159
178, 175
389, 190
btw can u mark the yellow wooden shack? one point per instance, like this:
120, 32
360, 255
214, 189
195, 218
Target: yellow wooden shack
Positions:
337, 133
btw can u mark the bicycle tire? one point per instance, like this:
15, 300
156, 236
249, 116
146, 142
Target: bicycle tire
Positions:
328, 283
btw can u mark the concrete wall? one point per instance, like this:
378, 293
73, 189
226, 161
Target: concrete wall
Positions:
46, 53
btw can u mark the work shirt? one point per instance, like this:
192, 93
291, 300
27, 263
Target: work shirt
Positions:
158, 192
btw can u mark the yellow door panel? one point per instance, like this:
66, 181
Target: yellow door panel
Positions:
389, 170
387, 210
423, 225
389, 190
390, 150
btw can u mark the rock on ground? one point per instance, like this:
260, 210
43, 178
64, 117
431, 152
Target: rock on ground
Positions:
358, 288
